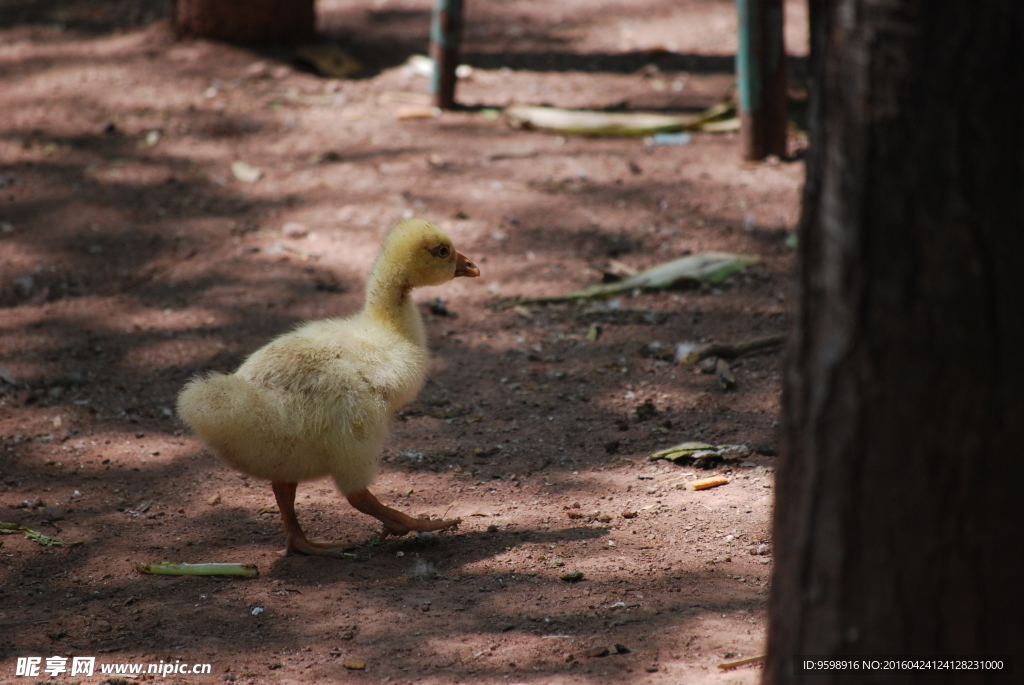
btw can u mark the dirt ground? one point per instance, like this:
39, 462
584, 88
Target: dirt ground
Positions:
131, 257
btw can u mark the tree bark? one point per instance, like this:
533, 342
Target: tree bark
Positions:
899, 507
245, 21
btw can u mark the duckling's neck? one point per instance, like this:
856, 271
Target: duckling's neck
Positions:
389, 302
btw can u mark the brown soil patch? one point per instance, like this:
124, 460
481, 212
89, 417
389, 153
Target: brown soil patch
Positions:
130, 257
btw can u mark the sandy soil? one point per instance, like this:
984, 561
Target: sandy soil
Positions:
131, 257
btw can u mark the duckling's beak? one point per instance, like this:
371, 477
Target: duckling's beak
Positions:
464, 266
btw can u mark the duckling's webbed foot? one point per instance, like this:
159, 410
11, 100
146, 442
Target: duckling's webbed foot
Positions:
395, 522
296, 540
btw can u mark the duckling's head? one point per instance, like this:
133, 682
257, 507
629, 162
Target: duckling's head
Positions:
417, 253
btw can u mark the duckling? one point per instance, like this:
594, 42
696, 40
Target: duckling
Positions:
316, 402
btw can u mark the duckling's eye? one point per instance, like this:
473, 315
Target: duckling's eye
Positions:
443, 251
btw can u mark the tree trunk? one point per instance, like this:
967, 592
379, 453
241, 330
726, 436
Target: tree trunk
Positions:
245, 21
899, 505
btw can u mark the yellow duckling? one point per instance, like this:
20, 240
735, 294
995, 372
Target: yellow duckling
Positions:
316, 402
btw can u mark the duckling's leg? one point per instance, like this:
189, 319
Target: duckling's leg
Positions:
395, 522
294, 535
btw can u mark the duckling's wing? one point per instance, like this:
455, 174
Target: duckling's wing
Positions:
228, 413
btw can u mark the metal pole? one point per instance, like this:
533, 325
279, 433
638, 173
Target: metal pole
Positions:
761, 78
445, 30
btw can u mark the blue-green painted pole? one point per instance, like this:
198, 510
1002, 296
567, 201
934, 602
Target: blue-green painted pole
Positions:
761, 78
445, 33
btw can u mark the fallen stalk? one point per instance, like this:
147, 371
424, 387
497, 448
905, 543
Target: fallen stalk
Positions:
166, 568
721, 117
725, 351
706, 267
729, 665
34, 535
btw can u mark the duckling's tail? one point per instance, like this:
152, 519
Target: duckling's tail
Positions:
229, 415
